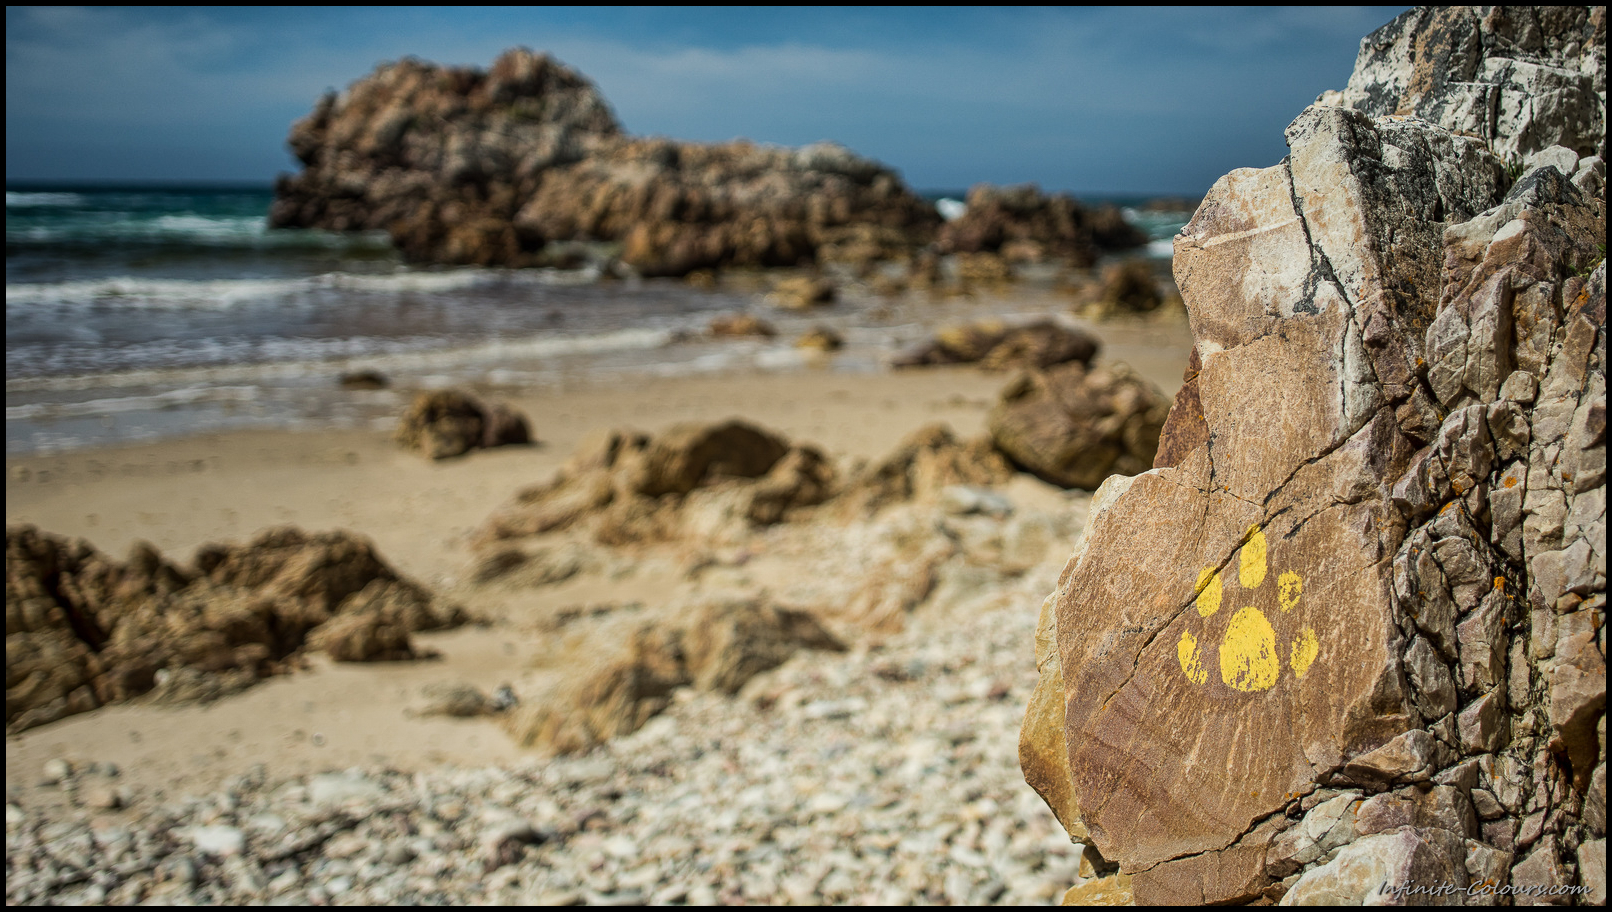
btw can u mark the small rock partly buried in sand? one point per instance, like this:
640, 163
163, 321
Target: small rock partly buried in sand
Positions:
741, 324
58, 770
801, 293
456, 699
448, 423
820, 338
995, 346
363, 380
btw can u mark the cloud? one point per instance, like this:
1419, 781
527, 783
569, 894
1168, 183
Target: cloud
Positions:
1068, 97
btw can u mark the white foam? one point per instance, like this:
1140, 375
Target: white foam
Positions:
114, 405
351, 355
950, 209
19, 200
132, 292
128, 291
1163, 249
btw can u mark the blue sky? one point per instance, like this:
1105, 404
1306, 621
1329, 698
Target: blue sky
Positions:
1088, 100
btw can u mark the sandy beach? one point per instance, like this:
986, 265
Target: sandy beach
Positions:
180, 494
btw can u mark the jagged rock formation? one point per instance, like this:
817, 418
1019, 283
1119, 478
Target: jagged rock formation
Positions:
1520, 78
465, 166
1023, 225
83, 630
1351, 628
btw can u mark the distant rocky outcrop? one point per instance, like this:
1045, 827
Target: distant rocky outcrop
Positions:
461, 165
446, 423
83, 630
1351, 629
1021, 224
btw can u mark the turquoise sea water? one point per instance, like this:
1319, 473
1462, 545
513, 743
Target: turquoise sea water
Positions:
138, 312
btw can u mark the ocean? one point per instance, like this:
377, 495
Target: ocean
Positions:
137, 313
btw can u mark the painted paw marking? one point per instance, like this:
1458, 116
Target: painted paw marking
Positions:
1249, 659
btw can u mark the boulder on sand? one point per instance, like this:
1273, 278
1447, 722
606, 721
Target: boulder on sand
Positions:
1073, 426
995, 346
446, 423
629, 486
924, 464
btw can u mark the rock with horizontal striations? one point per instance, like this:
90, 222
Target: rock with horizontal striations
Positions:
1371, 552
84, 631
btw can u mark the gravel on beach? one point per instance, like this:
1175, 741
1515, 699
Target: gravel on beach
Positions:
883, 776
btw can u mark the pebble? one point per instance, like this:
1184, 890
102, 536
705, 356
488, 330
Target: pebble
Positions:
58, 770
888, 776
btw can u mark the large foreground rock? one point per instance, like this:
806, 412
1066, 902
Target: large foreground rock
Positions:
83, 630
1363, 593
461, 165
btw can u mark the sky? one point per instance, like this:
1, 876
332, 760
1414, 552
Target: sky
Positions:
1087, 100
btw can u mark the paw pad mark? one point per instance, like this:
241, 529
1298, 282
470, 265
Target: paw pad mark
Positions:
1249, 658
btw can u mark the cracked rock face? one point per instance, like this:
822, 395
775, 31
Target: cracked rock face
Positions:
1522, 78
1367, 575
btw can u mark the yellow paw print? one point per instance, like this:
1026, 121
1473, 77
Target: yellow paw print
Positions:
1249, 660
